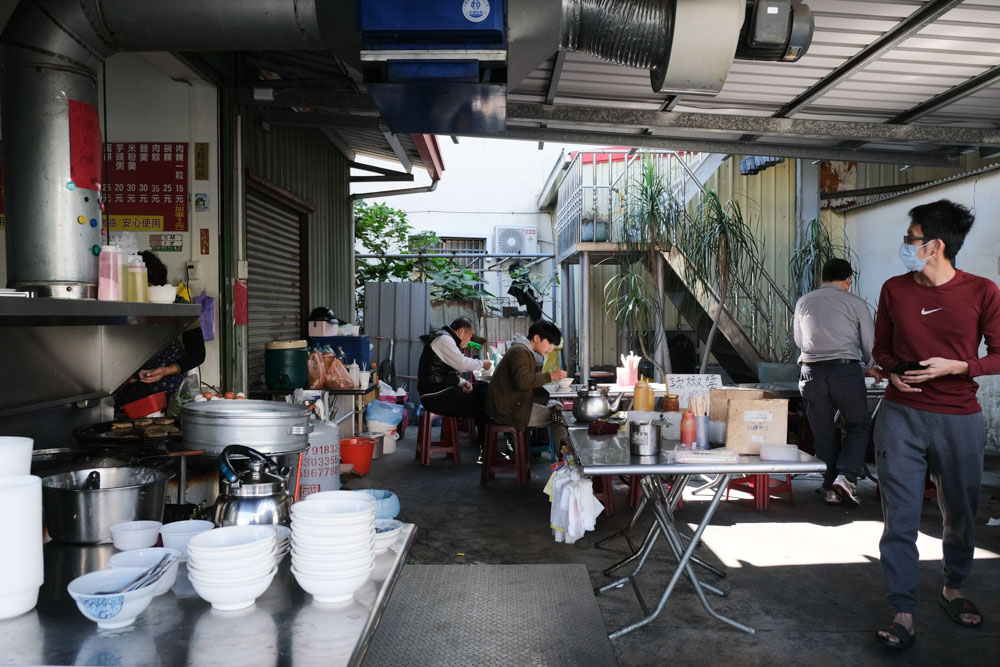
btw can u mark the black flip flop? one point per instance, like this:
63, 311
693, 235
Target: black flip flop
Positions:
906, 638
959, 606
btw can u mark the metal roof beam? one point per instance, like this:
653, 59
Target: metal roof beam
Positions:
297, 97
610, 138
318, 119
915, 22
608, 119
557, 69
398, 150
938, 102
339, 143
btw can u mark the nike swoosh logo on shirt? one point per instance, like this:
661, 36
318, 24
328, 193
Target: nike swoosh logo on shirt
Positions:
924, 311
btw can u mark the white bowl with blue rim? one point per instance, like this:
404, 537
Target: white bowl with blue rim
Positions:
110, 610
386, 532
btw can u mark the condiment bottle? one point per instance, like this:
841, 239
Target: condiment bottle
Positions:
689, 429
137, 285
108, 285
643, 400
672, 403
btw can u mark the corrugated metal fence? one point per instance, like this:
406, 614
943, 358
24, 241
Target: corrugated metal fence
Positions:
400, 313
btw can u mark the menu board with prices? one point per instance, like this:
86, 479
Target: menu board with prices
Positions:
145, 188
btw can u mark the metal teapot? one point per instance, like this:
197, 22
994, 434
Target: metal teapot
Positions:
257, 495
592, 403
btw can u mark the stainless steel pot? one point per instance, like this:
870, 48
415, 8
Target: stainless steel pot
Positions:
122, 494
379, 449
644, 438
591, 403
266, 426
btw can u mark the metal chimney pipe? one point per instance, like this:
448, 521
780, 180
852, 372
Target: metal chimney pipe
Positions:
50, 52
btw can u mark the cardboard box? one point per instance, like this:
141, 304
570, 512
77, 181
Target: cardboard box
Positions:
751, 423
718, 409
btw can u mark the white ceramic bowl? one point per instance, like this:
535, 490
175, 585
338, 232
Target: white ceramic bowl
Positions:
110, 611
233, 541
317, 509
327, 567
281, 533
135, 534
333, 534
230, 597
332, 589
147, 558
332, 549
162, 293
565, 383
386, 532
22, 529
15, 455
239, 572
341, 494
176, 535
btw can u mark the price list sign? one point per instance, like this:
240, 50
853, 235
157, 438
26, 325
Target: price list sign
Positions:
146, 187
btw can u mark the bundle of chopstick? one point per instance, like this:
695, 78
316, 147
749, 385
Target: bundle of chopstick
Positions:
698, 404
631, 361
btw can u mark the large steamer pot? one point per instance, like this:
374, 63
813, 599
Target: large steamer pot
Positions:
85, 516
266, 426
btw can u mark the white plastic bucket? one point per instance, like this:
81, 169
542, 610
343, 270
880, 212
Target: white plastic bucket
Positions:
15, 455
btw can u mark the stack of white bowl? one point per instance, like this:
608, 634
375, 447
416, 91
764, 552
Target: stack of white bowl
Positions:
283, 543
231, 567
21, 555
333, 544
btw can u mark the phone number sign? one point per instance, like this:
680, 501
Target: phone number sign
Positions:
146, 187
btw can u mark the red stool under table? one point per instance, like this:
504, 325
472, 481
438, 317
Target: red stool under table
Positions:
448, 444
492, 463
762, 487
604, 490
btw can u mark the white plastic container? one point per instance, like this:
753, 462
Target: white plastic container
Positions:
15, 455
108, 286
779, 453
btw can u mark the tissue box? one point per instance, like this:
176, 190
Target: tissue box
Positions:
752, 423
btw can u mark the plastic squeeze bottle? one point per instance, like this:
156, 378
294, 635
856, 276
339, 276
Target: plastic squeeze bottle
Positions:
107, 280
643, 400
689, 428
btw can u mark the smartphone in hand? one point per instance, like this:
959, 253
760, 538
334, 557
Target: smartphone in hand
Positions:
904, 366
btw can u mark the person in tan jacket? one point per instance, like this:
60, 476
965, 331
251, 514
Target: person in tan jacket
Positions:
509, 400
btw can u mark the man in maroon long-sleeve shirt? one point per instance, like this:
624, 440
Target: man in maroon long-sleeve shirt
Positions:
931, 420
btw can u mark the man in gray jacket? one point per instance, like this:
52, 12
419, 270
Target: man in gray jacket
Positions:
835, 332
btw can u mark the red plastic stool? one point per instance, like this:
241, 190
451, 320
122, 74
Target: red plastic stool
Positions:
492, 463
448, 444
762, 487
467, 425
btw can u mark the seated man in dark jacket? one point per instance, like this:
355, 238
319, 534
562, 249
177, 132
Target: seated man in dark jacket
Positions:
442, 390
512, 386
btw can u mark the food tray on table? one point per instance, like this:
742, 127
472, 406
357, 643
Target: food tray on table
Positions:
145, 431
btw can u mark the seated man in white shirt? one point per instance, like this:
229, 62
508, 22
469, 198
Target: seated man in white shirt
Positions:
442, 390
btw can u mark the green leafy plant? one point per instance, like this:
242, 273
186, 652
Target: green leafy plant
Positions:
542, 285
815, 248
720, 243
451, 282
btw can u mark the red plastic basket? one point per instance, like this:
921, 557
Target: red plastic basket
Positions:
146, 406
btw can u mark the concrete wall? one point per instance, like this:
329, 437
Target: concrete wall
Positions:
876, 231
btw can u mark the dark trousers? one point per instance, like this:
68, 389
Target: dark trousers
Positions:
826, 389
908, 443
453, 402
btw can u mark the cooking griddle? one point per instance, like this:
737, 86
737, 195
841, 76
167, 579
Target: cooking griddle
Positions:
103, 434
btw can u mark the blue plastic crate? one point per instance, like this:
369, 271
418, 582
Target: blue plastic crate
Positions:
356, 348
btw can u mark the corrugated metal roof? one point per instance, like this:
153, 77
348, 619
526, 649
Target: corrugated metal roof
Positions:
922, 186
961, 44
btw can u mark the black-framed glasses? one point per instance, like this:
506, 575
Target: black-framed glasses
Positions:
909, 240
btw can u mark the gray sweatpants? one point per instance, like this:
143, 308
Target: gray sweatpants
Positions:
908, 443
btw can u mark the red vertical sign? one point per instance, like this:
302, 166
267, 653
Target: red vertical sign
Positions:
239, 302
84, 146
146, 187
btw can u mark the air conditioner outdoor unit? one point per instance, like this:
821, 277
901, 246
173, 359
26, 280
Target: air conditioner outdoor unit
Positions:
515, 241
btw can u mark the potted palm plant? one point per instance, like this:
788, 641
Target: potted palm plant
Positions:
815, 248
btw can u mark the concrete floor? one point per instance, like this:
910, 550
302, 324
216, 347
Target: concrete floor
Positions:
805, 576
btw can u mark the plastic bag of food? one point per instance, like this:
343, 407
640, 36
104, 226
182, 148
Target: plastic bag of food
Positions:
317, 371
337, 376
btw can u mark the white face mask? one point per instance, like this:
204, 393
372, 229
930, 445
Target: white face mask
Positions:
908, 255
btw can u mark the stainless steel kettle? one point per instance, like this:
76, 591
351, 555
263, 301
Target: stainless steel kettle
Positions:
257, 495
592, 403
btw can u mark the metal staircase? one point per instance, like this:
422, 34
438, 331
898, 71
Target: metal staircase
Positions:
755, 323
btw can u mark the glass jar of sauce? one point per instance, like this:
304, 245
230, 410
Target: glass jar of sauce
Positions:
672, 403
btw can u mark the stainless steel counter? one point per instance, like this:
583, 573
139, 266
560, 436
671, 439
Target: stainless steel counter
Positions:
285, 626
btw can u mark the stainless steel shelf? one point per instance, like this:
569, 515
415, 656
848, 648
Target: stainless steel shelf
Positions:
82, 312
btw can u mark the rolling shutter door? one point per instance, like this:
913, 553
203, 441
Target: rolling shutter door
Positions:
274, 284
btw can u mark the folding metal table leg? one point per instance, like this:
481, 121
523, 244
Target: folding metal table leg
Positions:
624, 532
684, 566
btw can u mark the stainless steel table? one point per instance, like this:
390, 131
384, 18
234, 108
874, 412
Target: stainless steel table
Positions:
609, 455
285, 626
